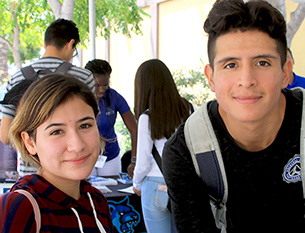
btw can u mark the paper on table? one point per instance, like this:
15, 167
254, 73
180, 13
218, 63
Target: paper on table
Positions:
127, 190
98, 181
104, 189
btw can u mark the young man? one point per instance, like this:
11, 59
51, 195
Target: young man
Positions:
61, 39
257, 125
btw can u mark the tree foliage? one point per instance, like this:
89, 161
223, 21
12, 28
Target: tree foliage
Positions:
120, 16
29, 17
23, 22
193, 85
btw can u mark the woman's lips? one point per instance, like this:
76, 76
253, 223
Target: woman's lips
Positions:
78, 161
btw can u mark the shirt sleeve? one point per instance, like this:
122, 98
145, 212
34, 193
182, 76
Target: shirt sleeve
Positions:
16, 214
144, 148
121, 104
189, 197
83, 75
91, 83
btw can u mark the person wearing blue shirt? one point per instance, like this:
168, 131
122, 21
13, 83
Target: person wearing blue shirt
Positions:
294, 80
110, 103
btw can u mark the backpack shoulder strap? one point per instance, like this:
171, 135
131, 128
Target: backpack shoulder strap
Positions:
204, 148
157, 157
207, 159
35, 207
154, 150
63, 67
28, 72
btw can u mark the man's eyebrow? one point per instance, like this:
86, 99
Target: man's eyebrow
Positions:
226, 59
270, 56
61, 124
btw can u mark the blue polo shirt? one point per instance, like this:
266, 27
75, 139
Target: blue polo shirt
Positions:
111, 103
297, 82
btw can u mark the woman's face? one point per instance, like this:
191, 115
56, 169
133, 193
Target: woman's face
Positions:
101, 84
67, 143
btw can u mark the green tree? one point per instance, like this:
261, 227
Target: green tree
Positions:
23, 23
193, 85
120, 16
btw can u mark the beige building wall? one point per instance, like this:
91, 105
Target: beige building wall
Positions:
180, 42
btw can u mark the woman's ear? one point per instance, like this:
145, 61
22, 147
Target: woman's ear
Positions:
29, 143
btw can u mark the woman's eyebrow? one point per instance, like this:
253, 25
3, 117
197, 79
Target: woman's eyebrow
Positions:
61, 124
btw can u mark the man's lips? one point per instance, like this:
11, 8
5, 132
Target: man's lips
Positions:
247, 99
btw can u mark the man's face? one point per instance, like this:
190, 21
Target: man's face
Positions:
247, 77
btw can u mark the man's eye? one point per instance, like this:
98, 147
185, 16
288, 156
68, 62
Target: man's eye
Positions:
263, 63
230, 66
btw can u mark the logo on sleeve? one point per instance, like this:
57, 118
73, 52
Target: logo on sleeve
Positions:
292, 170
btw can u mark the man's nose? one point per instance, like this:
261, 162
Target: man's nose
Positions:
247, 77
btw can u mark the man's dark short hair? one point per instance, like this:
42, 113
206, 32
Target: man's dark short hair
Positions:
61, 32
235, 15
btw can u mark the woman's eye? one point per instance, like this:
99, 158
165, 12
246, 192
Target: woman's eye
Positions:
263, 63
56, 132
230, 66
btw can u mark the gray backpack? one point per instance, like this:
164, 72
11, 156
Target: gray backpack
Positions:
14, 95
207, 159
29, 73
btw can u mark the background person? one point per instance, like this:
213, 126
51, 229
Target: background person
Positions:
110, 102
160, 110
257, 124
294, 80
55, 129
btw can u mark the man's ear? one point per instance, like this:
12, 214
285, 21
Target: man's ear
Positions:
287, 69
29, 143
72, 43
208, 71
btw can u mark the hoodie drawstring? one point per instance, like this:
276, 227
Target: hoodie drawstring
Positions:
98, 223
80, 225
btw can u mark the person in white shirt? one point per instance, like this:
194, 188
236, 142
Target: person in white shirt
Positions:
159, 110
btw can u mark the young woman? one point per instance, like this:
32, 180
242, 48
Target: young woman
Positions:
160, 110
55, 129
110, 103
